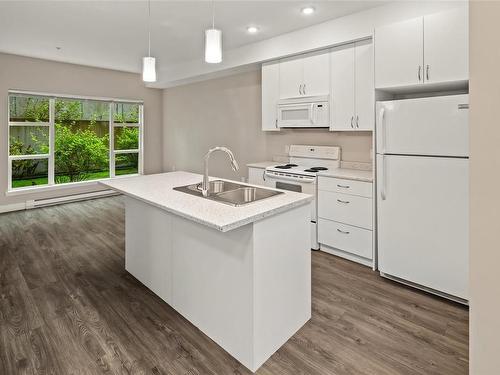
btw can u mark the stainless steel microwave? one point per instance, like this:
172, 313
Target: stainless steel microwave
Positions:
308, 112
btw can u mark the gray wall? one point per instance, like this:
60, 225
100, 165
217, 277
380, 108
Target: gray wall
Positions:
484, 188
227, 112
30, 74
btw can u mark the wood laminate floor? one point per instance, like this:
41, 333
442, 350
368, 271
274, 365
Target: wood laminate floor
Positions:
67, 306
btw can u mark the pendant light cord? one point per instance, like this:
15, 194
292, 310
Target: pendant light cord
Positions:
149, 28
213, 14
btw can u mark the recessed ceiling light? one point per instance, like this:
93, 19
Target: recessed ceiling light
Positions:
307, 10
252, 29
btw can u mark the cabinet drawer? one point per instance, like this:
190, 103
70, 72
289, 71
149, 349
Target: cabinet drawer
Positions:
345, 208
363, 189
347, 238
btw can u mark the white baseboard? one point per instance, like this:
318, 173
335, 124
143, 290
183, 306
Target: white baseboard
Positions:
346, 255
12, 207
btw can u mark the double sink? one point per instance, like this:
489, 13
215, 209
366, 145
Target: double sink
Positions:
228, 192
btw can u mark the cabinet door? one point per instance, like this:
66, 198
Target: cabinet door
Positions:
270, 95
446, 46
364, 89
256, 176
399, 54
316, 74
342, 70
291, 77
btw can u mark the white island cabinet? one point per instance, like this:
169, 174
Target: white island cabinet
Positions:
242, 275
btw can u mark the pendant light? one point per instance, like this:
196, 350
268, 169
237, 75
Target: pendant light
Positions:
149, 63
213, 42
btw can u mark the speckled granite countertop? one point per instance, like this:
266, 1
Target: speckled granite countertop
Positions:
157, 190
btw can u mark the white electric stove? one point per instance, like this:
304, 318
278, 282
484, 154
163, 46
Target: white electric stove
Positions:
300, 174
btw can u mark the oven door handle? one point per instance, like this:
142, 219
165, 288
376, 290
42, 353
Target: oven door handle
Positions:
307, 180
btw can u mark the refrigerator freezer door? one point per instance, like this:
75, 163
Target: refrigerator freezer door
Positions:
423, 228
435, 126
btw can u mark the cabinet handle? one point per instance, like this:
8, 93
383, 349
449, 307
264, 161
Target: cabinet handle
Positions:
264, 175
304, 89
343, 186
419, 73
352, 119
357, 121
342, 231
276, 123
427, 72
300, 89
341, 201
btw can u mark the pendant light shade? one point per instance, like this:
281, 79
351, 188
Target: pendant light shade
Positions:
213, 46
213, 42
149, 69
149, 63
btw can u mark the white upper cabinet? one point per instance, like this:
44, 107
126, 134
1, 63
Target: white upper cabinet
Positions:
291, 73
270, 95
305, 75
316, 74
426, 50
399, 54
352, 86
364, 85
446, 46
343, 96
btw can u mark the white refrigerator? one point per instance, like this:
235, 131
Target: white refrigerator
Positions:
423, 192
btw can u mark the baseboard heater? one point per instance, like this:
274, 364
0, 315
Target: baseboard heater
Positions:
69, 198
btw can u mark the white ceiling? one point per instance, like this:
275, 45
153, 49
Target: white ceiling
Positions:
113, 34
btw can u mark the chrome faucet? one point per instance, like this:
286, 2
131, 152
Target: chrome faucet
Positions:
205, 186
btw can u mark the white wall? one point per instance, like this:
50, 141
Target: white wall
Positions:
485, 191
23, 73
227, 112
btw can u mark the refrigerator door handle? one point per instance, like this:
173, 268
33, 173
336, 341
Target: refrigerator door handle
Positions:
382, 124
383, 192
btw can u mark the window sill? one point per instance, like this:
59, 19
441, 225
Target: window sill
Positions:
69, 185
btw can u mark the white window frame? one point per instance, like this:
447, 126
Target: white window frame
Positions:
51, 155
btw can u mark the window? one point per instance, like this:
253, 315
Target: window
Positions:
61, 140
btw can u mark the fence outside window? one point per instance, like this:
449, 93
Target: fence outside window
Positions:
57, 140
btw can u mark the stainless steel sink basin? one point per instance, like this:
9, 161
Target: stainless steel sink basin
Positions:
230, 192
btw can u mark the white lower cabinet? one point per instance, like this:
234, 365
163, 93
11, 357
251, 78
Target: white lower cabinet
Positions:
256, 176
346, 208
345, 218
345, 237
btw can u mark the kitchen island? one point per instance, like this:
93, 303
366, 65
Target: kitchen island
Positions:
242, 275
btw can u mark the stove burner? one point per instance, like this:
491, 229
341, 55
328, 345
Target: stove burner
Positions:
286, 166
316, 169
319, 168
